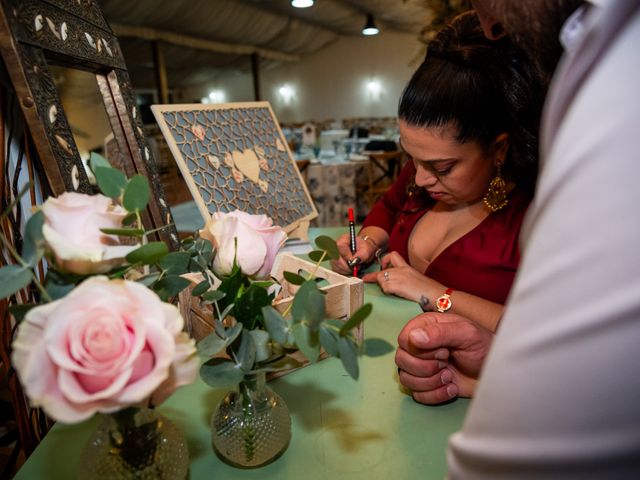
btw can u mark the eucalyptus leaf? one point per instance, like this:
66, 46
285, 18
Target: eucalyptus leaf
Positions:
247, 352
308, 304
293, 278
136, 194
170, 286
211, 345
329, 340
307, 341
130, 219
97, 160
111, 182
148, 254
212, 296
200, 288
317, 255
276, 324
220, 373
175, 262
376, 347
233, 332
57, 286
13, 278
262, 283
123, 232
19, 311
349, 356
328, 244
358, 317
33, 243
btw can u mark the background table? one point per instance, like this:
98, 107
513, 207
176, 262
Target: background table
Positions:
341, 428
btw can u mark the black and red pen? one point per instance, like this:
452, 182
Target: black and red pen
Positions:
352, 238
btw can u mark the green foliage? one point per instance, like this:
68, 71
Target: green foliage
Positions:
275, 324
294, 278
328, 244
13, 278
307, 340
219, 373
169, 286
97, 160
19, 311
356, 319
111, 182
148, 254
136, 194
33, 244
317, 255
123, 232
349, 356
308, 305
248, 306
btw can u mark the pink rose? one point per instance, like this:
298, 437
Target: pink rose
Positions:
73, 237
257, 238
107, 345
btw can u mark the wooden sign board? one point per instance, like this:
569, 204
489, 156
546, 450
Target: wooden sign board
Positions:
234, 156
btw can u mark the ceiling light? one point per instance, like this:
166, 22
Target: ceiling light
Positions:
301, 3
370, 27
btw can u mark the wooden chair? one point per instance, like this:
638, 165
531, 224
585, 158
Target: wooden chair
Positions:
382, 170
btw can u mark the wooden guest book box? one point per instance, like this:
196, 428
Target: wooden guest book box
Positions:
344, 295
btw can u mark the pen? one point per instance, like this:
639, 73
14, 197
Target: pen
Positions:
352, 238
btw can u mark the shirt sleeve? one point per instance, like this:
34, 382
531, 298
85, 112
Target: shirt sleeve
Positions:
385, 212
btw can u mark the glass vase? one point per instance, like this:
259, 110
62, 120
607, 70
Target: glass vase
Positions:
251, 425
135, 443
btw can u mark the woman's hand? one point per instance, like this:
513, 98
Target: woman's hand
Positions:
397, 277
365, 251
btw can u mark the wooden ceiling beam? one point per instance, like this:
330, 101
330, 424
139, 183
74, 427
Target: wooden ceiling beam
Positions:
152, 34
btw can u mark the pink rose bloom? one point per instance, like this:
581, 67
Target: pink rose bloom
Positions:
73, 237
107, 345
258, 242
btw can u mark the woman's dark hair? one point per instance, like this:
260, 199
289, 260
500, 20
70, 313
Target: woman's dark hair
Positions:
481, 87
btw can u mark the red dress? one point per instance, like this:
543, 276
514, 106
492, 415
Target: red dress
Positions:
483, 262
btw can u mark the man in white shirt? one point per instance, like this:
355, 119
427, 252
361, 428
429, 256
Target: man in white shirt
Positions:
559, 395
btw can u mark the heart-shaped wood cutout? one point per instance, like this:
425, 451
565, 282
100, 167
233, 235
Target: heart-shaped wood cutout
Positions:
247, 162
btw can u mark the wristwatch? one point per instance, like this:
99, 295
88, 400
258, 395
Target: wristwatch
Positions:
443, 303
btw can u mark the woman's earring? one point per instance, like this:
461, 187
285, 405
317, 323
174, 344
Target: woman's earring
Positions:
496, 196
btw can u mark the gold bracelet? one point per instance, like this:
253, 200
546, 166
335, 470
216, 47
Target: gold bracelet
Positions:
367, 238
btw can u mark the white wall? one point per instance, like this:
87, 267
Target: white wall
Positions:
332, 83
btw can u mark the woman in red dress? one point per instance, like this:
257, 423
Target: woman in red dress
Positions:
451, 221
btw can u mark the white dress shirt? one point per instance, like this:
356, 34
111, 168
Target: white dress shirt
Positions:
560, 391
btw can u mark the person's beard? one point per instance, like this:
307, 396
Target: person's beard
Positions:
534, 26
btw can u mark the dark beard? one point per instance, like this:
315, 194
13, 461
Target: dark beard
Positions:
534, 25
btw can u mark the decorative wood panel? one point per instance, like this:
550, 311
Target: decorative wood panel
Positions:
234, 156
74, 34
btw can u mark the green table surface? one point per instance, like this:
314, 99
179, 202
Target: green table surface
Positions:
341, 428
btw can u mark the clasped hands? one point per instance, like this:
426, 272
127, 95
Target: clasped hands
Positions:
440, 356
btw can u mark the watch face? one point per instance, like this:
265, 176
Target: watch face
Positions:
443, 303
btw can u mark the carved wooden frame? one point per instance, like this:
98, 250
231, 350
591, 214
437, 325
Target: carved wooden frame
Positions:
213, 144
74, 33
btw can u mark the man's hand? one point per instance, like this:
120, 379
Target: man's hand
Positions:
440, 356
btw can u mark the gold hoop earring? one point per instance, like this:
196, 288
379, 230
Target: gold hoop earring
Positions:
496, 196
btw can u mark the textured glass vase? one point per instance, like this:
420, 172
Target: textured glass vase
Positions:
135, 443
251, 425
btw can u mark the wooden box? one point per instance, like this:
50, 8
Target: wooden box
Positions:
344, 295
